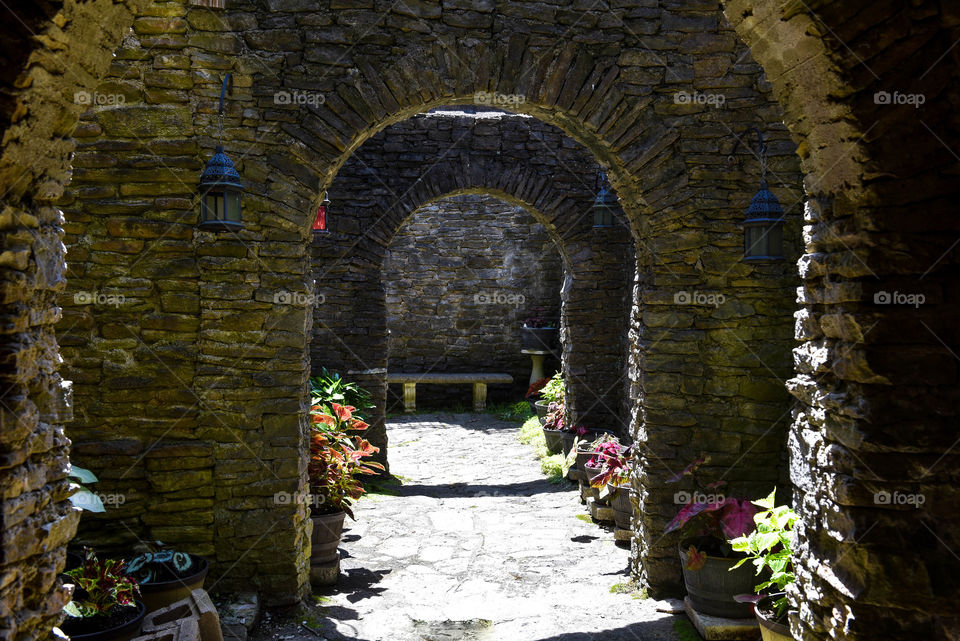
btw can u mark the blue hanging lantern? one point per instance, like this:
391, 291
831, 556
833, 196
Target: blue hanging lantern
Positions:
763, 226
221, 189
602, 213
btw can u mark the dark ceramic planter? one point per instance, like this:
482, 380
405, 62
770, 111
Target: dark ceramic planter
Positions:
540, 407
770, 630
122, 632
554, 440
160, 594
711, 588
539, 339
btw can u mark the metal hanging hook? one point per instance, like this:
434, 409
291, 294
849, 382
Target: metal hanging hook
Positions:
226, 86
761, 152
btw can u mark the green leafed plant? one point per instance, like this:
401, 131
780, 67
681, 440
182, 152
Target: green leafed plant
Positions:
329, 388
554, 389
101, 586
769, 547
83, 498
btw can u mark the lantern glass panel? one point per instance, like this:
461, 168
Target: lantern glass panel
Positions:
602, 216
212, 206
231, 211
763, 239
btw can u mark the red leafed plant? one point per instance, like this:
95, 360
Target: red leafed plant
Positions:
101, 586
708, 513
536, 386
614, 462
337, 456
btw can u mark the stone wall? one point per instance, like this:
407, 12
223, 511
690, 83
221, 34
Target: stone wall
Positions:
873, 443
460, 278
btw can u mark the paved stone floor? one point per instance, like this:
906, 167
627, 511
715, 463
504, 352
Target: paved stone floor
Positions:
476, 545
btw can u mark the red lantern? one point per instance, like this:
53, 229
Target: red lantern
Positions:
320, 222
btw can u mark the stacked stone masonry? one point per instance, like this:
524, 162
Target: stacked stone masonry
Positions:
200, 373
460, 278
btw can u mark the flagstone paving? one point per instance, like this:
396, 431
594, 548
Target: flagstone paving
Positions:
476, 544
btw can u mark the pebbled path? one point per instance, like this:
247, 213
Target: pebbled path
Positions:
478, 546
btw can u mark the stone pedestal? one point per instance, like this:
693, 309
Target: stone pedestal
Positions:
713, 628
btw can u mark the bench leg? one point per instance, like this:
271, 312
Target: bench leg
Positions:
409, 397
479, 397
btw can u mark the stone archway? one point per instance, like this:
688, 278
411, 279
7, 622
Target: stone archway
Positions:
632, 119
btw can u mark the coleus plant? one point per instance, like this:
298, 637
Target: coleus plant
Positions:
710, 514
150, 567
337, 456
613, 459
101, 586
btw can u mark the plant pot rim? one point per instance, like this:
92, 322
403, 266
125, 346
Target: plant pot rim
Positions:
684, 544
109, 632
767, 621
550, 429
159, 586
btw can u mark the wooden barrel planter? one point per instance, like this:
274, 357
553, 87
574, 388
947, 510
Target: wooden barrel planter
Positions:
325, 539
711, 588
622, 508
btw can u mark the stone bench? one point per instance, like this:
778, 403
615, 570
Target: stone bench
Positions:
479, 382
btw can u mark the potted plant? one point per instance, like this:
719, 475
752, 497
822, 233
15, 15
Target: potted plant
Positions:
710, 519
613, 480
104, 605
538, 334
769, 547
553, 425
329, 388
588, 463
166, 576
538, 404
336, 457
